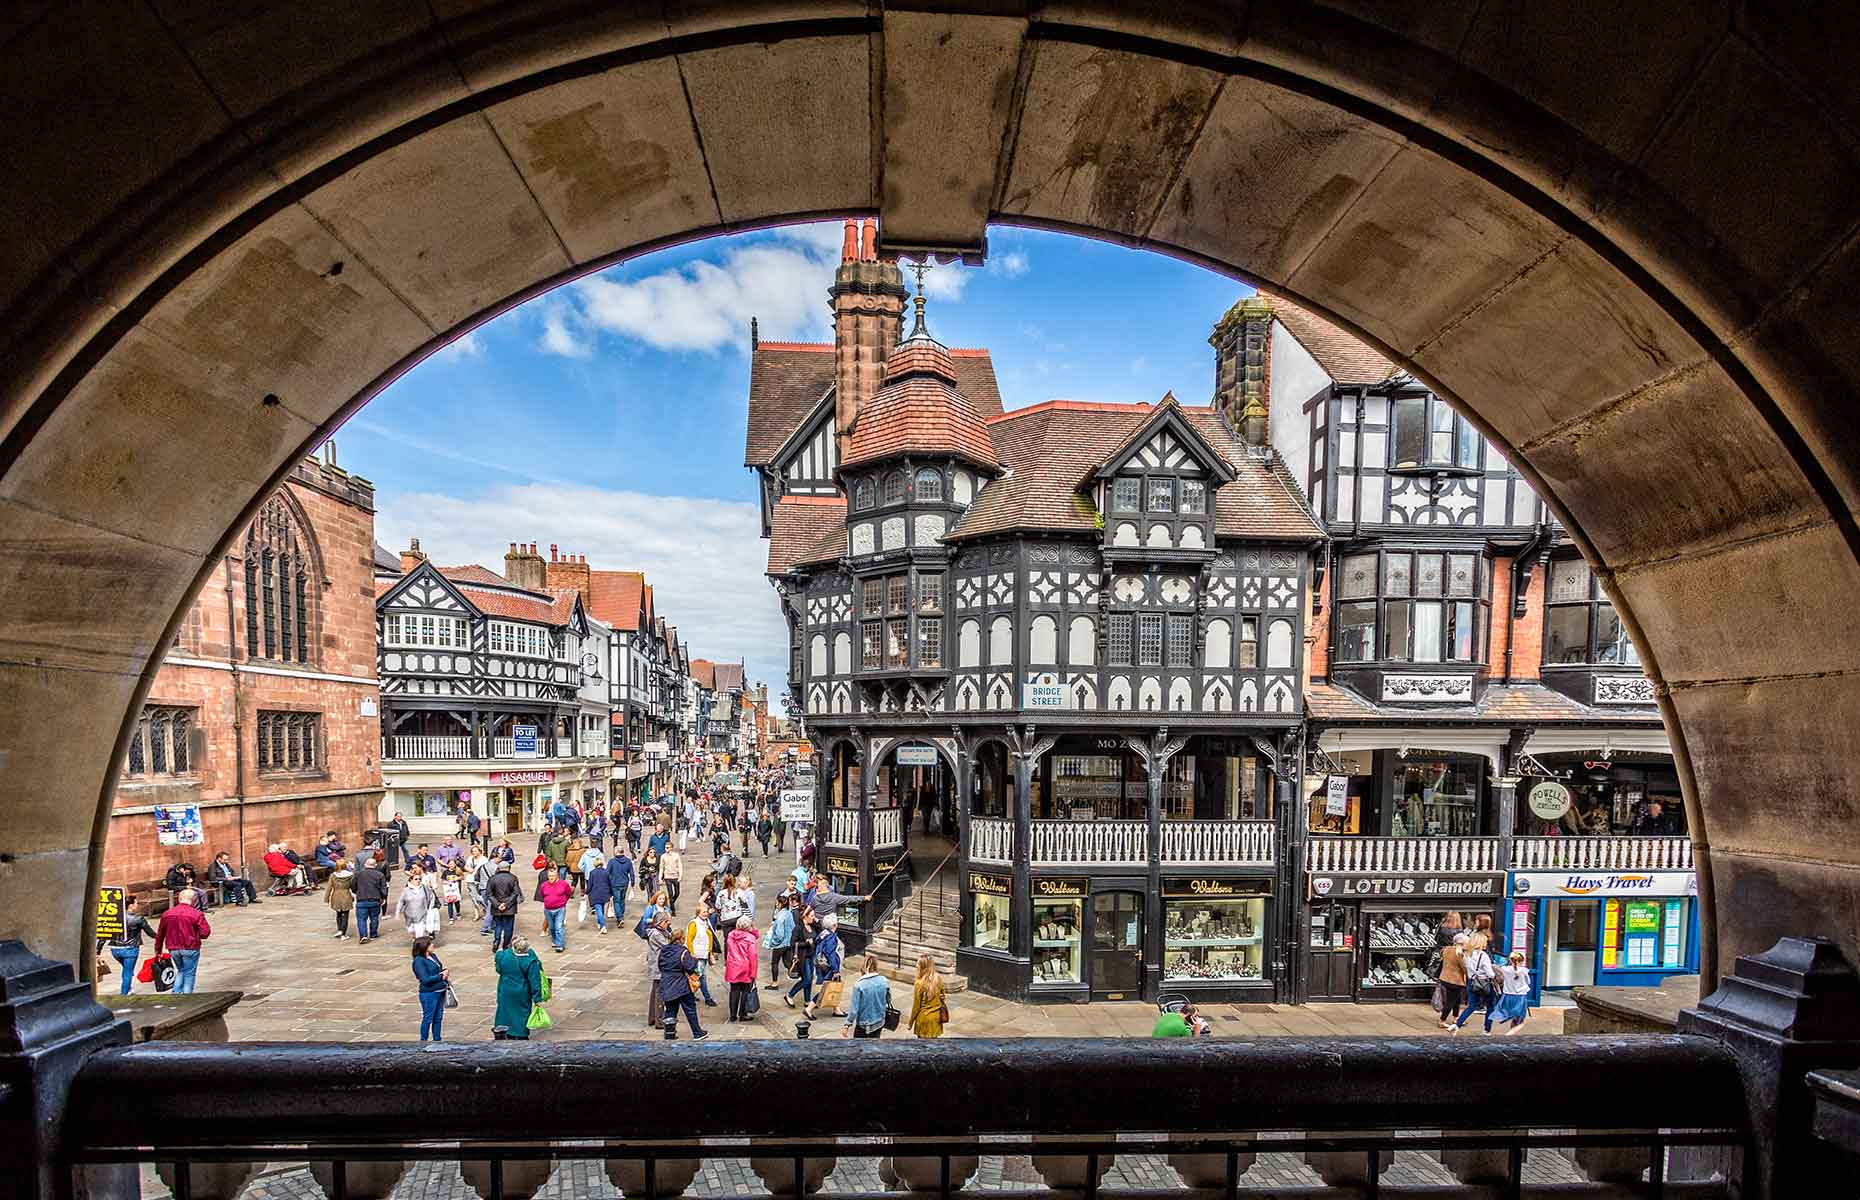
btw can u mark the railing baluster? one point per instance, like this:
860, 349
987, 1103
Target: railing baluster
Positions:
497, 1179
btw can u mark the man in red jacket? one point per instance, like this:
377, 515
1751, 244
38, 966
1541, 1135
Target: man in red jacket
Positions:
182, 929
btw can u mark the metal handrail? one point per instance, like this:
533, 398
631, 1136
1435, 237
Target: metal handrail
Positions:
935, 874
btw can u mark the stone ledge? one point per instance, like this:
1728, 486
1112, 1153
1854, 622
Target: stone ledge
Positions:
165, 1017
1605, 1010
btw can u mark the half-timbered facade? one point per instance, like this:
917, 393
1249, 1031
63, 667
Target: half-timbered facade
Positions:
1475, 703
1068, 636
491, 694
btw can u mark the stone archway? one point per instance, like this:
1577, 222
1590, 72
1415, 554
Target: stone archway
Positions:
1623, 244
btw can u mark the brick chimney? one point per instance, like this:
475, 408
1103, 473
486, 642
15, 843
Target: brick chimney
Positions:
1242, 368
524, 567
412, 556
569, 571
868, 310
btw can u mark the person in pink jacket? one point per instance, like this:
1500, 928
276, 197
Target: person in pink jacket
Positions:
739, 967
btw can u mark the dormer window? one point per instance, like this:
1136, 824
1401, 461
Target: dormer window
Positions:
1127, 494
864, 495
1194, 496
1162, 495
929, 484
894, 488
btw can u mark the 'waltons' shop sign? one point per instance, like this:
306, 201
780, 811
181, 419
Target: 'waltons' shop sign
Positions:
990, 885
1211, 889
1064, 888
840, 865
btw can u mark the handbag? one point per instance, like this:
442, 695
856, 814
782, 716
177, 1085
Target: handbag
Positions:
752, 1004
539, 1018
942, 1003
539, 862
892, 1017
452, 997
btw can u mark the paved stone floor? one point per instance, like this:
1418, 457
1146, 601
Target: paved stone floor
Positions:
301, 983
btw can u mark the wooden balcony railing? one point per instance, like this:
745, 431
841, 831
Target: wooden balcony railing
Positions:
887, 828
1217, 843
1601, 854
1091, 843
1419, 855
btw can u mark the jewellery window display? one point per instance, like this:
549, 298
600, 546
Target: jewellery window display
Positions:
994, 911
1214, 941
1399, 945
1056, 941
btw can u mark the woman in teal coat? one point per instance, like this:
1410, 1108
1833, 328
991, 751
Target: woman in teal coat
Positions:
519, 989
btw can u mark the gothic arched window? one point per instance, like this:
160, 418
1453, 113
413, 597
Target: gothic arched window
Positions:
277, 592
929, 484
864, 495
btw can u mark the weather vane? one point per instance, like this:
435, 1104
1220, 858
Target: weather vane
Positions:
919, 267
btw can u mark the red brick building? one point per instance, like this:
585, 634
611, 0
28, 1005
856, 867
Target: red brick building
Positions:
265, 716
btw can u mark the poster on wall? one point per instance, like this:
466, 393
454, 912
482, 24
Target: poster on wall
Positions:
432, 804
111, 903
178, 825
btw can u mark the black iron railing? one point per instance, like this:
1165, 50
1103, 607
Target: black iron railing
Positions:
1211, 1106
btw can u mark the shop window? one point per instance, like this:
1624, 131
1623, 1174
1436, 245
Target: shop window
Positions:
1057, 943
1105, 786
1426, 434
1194, 496
1399, 945
1127, 494
1215, 783
929, 484
1581, 626
1644, 935
159, 745
1209, 939
1435, 797
993, 922
1576, 922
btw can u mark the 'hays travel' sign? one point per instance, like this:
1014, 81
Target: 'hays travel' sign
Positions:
1552, 884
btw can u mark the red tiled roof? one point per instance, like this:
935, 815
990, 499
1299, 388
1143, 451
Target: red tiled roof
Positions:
804, 530
614, 597
1344, 358
1050, 448
382, 586
516, 606
729, 677
920, 413
472, 573
704, 673
787, 379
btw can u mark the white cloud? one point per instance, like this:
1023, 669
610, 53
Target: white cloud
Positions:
702, 557
469, 346
1139, 364
1012, 264
707, 305
945, 282
559, 338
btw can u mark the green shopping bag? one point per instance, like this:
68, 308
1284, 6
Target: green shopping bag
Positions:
547, 990
539, 1018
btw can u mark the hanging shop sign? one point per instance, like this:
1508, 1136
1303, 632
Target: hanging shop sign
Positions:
1204, 888
916, 756
509, 778
839, 864
991, 885
797, 804
1357, 887
1061, 889
112, 902
1553, 885
1549, 800
1337, 795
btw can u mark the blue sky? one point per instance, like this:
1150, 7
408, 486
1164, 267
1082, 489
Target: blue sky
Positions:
607, 416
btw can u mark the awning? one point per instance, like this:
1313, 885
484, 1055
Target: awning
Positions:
1598, 741
1460, 741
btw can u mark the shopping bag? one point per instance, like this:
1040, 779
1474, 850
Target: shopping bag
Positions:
539, 1018
831, 992
581, 914
892, 1017
167, 974
753, 1005
548, 989
452, 997
147, 973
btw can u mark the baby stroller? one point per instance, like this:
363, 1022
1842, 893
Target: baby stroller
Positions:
1176, 1002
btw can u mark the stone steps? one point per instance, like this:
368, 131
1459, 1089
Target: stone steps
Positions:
910, 933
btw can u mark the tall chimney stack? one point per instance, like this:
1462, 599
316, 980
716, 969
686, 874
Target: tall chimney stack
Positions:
868, 309
524, 567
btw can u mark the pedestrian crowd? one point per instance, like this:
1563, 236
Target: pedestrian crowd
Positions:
593, 862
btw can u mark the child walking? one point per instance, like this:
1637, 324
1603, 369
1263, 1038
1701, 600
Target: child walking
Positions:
453, 890
1514, 1005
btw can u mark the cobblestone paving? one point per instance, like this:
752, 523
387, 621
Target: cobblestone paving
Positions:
300, 983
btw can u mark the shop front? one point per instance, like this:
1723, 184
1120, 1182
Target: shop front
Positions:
1609, 928
1217, 941
1369, 936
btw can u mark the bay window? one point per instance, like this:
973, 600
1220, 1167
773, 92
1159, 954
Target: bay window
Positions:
1426, 434
1127, 494
1411, 606
1581, 626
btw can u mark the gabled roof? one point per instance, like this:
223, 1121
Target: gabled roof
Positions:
473, 573
1166, 414
1050, 448
704, 673
1342, 355
805, 530
729, 677
614, 597
788, 379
